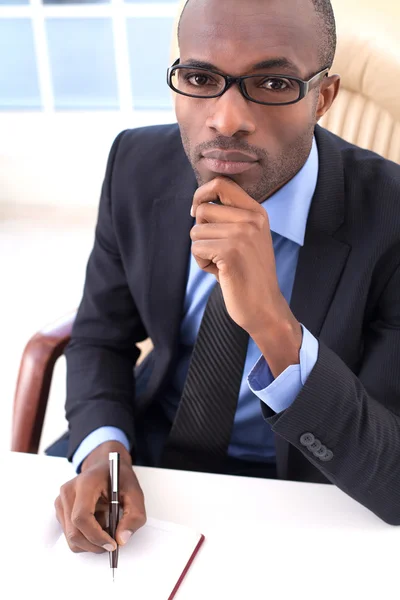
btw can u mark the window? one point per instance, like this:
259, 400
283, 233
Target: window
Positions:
72, 76
80, 55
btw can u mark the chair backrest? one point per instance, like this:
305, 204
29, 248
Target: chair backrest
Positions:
367, 109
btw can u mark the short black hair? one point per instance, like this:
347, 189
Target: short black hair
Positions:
324, 11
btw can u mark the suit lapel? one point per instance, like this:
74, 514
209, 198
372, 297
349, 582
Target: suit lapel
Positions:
323, 257
170, 253
321, 263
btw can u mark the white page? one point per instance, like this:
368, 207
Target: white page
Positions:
149, 566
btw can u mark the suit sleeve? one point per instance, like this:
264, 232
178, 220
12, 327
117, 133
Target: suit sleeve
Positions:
356, 418
102, 352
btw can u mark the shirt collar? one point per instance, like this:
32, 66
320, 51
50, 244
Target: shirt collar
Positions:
288, 208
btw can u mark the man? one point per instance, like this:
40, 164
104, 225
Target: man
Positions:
294, 351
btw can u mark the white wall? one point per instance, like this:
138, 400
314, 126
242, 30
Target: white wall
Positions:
58, 159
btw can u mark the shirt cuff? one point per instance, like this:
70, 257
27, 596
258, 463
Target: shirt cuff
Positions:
281, 392
94, 439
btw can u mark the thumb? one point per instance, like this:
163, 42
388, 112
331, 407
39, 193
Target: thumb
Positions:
133, 515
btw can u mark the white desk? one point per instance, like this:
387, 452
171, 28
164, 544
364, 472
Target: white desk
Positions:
265, 539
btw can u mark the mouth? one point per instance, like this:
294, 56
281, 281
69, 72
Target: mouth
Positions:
228, 162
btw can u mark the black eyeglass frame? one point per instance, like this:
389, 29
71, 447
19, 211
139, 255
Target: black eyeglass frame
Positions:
304, 86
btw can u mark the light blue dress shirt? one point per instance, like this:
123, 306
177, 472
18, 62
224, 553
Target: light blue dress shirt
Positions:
252, 438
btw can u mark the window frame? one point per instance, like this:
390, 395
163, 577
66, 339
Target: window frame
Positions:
118, 11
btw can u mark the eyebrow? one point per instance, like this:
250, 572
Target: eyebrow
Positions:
272, 63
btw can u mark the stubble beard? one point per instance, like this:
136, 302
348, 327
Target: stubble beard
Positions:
275, 172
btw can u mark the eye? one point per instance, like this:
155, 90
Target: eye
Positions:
199, 79
276, 84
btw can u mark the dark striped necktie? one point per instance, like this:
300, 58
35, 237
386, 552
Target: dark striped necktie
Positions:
201, 432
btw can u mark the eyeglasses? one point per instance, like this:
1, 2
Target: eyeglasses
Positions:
269, 89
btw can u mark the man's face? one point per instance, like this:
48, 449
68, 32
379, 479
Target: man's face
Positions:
234, 36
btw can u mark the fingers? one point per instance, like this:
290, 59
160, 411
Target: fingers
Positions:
82, 531
215, 256
221, 231
75, 539
85, 497
75, 512
59, 511
102, 518
214, 213
229, 193
134, 512
89, 490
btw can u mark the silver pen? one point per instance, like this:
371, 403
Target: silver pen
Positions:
114, 506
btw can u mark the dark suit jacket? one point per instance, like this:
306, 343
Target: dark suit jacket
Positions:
346, 292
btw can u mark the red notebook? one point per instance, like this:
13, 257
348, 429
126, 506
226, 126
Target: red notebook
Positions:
151, 566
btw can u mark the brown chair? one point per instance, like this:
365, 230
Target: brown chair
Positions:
33, 383
34, 380
366, 112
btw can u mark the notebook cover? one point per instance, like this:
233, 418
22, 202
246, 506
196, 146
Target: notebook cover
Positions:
186, 569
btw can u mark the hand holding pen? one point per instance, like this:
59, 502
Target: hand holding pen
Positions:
81, 504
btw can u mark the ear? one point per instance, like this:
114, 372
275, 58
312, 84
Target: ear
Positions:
327, 94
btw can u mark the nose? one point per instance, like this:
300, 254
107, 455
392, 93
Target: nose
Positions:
231, 115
